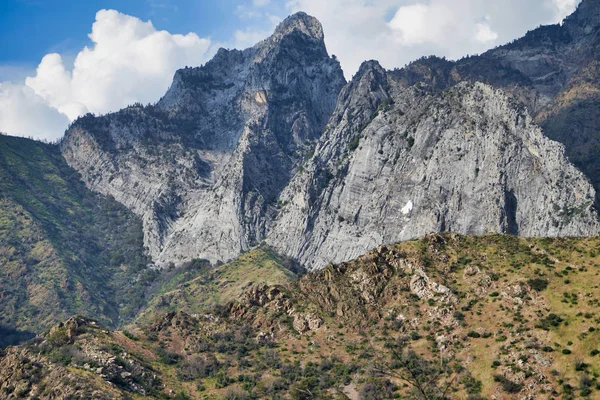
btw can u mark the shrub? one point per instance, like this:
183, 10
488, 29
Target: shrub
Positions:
131, 335
538, 284
459, 316
236, 394
552, 320
353, 145
67, 354
222, 380
472, 385
507, 385
58, 337
167, 357
198, 366
580, 365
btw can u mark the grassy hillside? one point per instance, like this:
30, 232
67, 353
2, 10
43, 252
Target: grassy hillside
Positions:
218, 286
445, 317
63, 249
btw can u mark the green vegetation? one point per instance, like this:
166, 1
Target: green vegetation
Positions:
353, 145
66, 251
373, 328
552, 320
63, 249
538, 284
212, 287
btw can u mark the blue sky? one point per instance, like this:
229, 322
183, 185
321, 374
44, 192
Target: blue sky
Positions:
29, 29
60, 59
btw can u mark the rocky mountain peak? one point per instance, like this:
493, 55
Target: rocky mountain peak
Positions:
370, 70
585, 20
205, 166
301, 22
587, 13
396, 163
371, 76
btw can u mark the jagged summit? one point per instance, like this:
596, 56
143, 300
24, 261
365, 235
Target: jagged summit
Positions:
585, 20
301, 22
299, 34
370, 66
205, 166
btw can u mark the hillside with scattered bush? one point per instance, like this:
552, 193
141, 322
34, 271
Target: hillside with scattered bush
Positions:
443, 317
64, 250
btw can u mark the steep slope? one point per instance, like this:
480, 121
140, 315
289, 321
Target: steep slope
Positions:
396, 163
445, 317
64, 250
204, 167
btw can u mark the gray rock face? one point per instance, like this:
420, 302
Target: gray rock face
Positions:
205, 166
396, 163
271, 144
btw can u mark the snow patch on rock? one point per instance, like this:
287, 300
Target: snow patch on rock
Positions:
407, 208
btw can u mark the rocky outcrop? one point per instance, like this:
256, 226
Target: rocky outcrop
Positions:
307, 322
27, 374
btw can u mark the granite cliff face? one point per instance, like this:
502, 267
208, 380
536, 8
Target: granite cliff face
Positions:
271, 144
397, 163
205, 166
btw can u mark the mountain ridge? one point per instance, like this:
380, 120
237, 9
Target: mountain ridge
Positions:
267, 157
476, 151
64, 250
234, 152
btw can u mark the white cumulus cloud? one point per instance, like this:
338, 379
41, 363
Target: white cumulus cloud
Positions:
562, 8
23, 113
421, 23
396, 32
484, 33
129, 61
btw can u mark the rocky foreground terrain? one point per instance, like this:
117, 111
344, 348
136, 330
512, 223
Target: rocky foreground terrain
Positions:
270, 143
446, 316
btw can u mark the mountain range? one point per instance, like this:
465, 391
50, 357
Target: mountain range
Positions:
191, 224
271, 144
